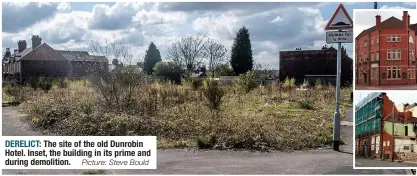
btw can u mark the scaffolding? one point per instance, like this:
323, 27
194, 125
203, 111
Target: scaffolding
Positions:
368, 114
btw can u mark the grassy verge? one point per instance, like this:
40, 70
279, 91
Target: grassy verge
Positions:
94, 172
265, 118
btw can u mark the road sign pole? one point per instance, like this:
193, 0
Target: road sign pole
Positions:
336, 120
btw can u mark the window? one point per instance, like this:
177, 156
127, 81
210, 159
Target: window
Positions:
394, 54
412, 73
406, 130
411, 39
394, 73
365, 44
377, 56
393, 39
372, 42
372, 56
377, 40
374, 73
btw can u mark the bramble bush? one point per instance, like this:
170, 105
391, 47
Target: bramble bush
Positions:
246, 81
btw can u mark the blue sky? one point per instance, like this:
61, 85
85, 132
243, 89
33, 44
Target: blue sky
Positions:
274, 26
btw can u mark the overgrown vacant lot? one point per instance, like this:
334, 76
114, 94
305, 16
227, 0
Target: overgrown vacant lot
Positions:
267, 117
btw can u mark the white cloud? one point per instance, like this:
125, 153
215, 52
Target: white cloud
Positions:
154, 17
222, 27
277, 19
64, 6
392, 7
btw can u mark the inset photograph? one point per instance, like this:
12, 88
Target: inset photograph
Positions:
385, 129
385, 49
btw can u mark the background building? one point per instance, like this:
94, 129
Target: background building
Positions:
315, 64
41, 60
385, 54
383, 130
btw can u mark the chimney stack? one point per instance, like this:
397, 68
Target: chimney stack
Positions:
405, 19
409, 20
36, 41
7, 54
21, 45
115, 62
378, 21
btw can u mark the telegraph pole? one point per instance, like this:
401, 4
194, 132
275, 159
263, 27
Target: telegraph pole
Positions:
393, 131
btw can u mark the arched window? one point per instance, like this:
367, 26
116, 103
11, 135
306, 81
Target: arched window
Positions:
411, 39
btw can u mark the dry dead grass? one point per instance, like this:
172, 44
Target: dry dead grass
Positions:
269, 117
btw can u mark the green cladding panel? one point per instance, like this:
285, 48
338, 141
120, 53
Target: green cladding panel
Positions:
368, 115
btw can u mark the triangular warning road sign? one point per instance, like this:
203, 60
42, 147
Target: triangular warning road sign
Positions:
340, 20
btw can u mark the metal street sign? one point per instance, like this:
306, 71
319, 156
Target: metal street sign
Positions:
340, 20
339, 37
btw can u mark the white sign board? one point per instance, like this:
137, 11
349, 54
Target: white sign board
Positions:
339, 37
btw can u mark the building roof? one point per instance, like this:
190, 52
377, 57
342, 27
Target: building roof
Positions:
42, 52
331, 48
368, 99
81, 56
389, 23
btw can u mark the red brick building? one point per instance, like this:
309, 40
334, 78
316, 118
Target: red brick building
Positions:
385, 54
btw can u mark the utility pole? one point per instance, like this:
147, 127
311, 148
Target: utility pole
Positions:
393, 131
336, 117
375, 5
331, 38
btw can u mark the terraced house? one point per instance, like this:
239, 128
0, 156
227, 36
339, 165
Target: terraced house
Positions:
43, 60
384, 130
385, 54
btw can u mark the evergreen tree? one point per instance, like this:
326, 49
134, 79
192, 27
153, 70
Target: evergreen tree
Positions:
152, 57
241, 60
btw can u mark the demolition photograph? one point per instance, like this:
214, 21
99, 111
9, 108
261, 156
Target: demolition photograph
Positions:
385, 129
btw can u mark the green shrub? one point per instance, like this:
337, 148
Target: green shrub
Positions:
34, 82
289, 83
246, 82
306, 104
63, 83
213, 94
194, 83
45, 84
94, 172
318, 84
168, 70
206, 142
14, 92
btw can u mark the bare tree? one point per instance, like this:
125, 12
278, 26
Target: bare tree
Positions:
216, 53
112, 49
263, 70
116, 86
189, 52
